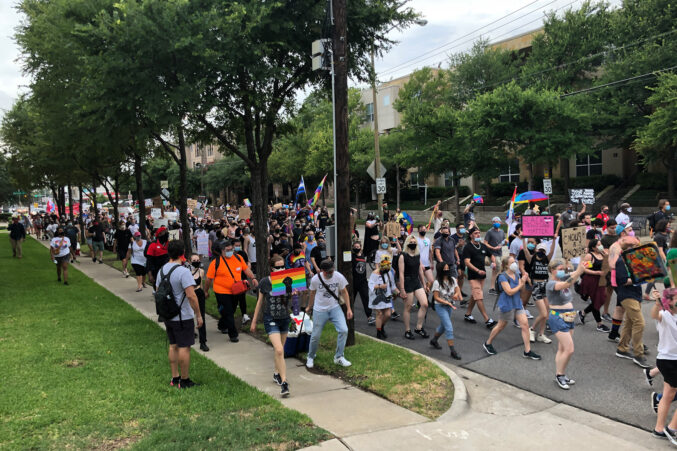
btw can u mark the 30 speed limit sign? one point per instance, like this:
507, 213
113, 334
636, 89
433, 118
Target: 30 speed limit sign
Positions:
547, 186
380, 186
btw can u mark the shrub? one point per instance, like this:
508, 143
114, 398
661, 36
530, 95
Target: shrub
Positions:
652, 181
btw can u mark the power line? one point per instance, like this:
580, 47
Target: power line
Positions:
405, 63
617, 82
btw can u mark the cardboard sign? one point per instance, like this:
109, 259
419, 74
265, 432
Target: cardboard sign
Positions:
174, 234
157, 202
192, 203
156, 213
244, 213
392, 229
574, 243
644, 263
534, 226
584, 196
217, 214
277, 206
199, 213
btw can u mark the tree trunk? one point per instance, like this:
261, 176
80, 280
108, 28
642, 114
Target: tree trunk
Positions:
116, 200
457, 203
671, 175
397, 183
259, 178
138, 175
183, 198
357, 200
93, 199
564, 170
80, 220
530, 167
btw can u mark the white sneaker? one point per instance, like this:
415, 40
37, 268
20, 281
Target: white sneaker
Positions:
310, 362
528, 313
532, 335
342, 361
543, 339
245, 318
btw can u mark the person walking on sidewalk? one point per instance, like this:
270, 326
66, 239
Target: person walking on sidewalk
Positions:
73, 234
327, 287
382, 290
665, 313
60, 250
360, 282
199, 277
136, 251
474, 255
181, 328
275, 321
510, 282
17, 235
413, 284
445, 291
562, 316
494, 240
122, 238
96, 233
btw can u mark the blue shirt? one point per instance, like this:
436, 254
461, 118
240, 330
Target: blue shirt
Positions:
507, 303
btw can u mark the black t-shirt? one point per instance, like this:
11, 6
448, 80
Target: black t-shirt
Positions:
72, 233
608, 240
324, 218
318, 255
359, 269
661, 240
477, 256
593, 234
243, 255
124, 238
539, 268
96, 231
521, 257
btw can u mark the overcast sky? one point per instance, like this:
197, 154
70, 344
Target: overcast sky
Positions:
449, 21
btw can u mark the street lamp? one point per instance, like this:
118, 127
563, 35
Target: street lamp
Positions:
374, 94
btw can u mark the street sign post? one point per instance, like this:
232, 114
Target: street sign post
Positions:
380, 185
164, 183
547, 186
370, 170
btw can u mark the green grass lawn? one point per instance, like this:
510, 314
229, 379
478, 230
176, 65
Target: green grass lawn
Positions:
85, 370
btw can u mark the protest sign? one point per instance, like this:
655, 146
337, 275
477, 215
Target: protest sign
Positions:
148, 202
277, 206
244, 213
202, 239
157, 202
644, 263
156, 213
392, 229
192, 203
534, 226
217, 214
199, 213
174, 234
573, 242
161, 222
171, 215
585, 196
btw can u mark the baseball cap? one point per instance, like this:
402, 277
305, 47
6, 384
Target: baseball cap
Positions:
542, 246
159, 231
495, 219
137, 233
621, 227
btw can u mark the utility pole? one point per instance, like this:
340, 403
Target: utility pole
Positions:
342, 168
377, 148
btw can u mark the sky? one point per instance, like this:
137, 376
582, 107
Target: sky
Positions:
452, 25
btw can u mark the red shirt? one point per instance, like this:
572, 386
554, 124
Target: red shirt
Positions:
604, 217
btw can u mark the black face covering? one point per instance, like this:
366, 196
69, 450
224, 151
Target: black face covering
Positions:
163, 238
421, 233
411, 246
196, 264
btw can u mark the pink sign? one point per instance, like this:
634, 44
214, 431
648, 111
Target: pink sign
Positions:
534, 226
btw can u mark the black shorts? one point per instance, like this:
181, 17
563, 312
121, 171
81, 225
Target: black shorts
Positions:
181, 333
64, 259
668, 369
412, 284
139, 270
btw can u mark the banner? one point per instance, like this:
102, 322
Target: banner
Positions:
534, 226
582, 196
574, 243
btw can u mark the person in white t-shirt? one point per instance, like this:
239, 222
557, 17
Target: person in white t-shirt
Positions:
624, 216
426, 250
60, 251
326, 288
664, 312
136, 251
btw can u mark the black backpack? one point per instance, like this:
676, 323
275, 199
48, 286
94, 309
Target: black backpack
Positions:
497, 286
165, 303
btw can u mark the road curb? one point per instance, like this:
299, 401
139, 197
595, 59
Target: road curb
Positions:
460, 403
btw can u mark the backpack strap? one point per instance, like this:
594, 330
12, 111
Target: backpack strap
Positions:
231, 272
326, 287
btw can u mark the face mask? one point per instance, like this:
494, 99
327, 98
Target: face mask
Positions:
356, 250
497, 225
569, 210
421, 233
478, 239
605, 211
561, 274
163, 238
514, 267
123, 227
600, 248
629, 209
195, 264
540, 253
384, 245
667, 208
445, 234
631, 233
531, 246
411, 246
461, 231
310, 238
247, 230
322, 246
237, 249
229, 254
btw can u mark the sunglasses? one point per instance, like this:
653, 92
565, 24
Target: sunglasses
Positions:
278, 267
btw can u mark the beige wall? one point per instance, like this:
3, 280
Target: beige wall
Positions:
194, 154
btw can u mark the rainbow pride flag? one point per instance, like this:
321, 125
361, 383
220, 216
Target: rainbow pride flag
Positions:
247, 203
477, 198
294, 258
297, 275
318, 191
408, 222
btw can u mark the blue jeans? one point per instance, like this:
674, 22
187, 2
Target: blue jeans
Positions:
336, 316
444, 312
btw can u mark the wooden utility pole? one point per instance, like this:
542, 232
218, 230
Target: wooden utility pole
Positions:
342, 201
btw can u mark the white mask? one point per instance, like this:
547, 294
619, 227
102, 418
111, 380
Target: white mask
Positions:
600, 248
514, 267
629, 209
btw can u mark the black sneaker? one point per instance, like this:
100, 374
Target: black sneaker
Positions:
421, 332
657, 434
464, 302
492, 291
94, 260
408, 335
489, 348
490, 323
602, 328
614, 336
379, 335
531, 355
581, 316
284, 391
569, 381
641, 362
101, 262
174, 382
647, 376
562, 382
469, 318
65, 282
646, 350
277, 379
624, 355
435, 344
654, 401
187, 383
465, 295
234, 339
395, 315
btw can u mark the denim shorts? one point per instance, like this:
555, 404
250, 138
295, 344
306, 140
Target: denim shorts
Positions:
276, 326
557, 324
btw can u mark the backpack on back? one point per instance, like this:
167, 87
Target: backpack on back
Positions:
497, 286
165, 303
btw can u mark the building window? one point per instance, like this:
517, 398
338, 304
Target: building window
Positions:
369, 112
449, 179
510, 172
589, 164
197, 151
210, 152
413, 178
386, 100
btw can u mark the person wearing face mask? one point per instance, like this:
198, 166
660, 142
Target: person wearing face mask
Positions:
570, 215
249, 246
426, 251
309, 244
241, 299
371, 235
474, 256
122, 239
663, 212
445, 250
460, 239
156, 254
59, 249
445, 292
137, 253
494, 240
603, 216
297, 231
562, 316
199, 278
360, 283
72, 233
510, 305
623, 217
318, 254
384, 248
536, 265
590, 283
595, 232
381, 291
623, 233
97, 235
412, 284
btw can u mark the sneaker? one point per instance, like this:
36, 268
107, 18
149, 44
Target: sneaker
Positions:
421, 332
469, 318
532, 335
187, 383
395, 315
530, 303
277, 379
528, 313
465, 295
562, 382
379, 334
342, 361
101, 263
489, 348
531, 355
371, 321
245, 319
641, 362
569, 381
581, 316
603, 328
204, 347
234, 339
455, 355
464, 303
657, 434
490, 323
435, 344
65, 282
284, 391
310, 362
654, 401
543, 339
613, 336
174, 382
646, 350
624, 355
492, 291
647, 376
408, 335
94, 260
516, 324
606, 317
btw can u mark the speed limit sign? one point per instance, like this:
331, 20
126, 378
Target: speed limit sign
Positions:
380, 185
547, 186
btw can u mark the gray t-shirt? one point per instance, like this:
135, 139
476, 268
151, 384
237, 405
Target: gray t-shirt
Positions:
323, 300
180, 279
495, 237
447, 247
276, 307
560, 297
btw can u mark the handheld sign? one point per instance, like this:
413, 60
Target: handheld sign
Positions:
392, 229
582, 196
534, 226
644, 263
244, 213
573, 242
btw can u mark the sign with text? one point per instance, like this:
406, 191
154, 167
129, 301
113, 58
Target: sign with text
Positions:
582, 196
534, 226
573, 242
199, 213
380, 185
244, 213
174, 234
157, 202
156, 213
392, 229
148, 202
547, 186
191, 203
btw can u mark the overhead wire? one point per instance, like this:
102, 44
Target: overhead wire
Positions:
628, 80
